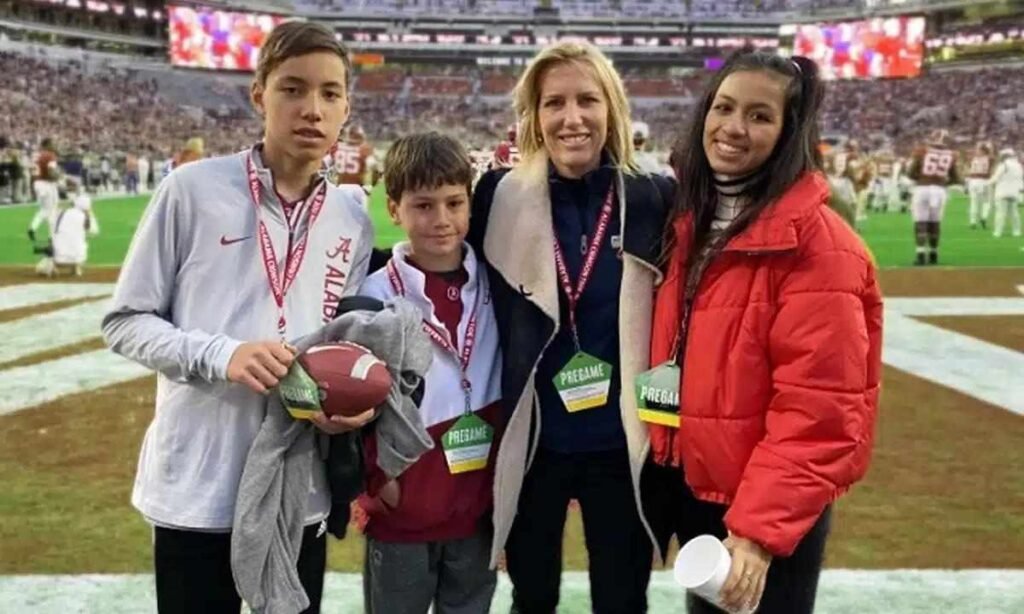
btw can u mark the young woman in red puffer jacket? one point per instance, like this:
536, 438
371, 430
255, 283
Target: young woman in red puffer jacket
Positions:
771, 312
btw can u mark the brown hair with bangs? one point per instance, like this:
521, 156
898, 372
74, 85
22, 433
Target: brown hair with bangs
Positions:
296, 38
427, 160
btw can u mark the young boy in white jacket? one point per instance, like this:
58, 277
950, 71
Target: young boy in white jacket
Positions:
235, 256
429, 535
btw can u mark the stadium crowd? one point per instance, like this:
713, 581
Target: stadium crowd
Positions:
574, 8
96, 113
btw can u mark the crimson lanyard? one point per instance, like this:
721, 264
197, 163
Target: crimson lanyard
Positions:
573, 296
442, 338
691, 279
296, 253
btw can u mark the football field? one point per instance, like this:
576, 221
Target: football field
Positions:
937, 526
890, 235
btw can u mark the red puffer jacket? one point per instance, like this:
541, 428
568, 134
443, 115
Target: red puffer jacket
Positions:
781, 374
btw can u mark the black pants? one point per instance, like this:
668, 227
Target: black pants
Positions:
671, 509
193, 571
618, 547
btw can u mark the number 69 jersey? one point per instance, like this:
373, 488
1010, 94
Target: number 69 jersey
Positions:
935, 165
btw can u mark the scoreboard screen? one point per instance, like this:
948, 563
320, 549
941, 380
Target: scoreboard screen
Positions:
217, 40
884, 47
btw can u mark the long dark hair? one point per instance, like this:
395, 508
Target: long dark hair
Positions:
795, 152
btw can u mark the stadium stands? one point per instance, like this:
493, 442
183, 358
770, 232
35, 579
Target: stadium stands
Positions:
497, 84
384, 80
417, 7
441, 86
574, 8
105, 109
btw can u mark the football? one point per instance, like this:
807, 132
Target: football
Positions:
350, 378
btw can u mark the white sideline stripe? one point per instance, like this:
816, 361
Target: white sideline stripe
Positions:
26, 295
957, 306
899, 591
980, 369
51, 330
24, 387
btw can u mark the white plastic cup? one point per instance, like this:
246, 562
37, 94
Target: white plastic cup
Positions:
702, 566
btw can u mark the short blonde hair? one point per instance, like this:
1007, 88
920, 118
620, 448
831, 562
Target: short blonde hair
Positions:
195, 144
526, 100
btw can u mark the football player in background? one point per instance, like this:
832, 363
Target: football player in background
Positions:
45, 175
69, 246
353, 161
933, 168
1008, 185
859, 171
979, 172
646, 160
506, 154
885, 192
835, 169
904, 184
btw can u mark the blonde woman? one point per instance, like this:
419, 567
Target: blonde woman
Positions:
571, 237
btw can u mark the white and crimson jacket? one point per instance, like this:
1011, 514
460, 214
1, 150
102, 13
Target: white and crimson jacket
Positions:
436, 505
192, 289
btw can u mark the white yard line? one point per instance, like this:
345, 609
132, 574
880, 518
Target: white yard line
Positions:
33, 385
25, 295
900, 591
51, 330
983, 370
957, 306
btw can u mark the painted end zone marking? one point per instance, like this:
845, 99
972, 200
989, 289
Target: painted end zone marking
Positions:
33, 385
26, 295
983, 370
51, 330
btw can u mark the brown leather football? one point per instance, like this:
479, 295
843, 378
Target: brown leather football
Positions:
351, 379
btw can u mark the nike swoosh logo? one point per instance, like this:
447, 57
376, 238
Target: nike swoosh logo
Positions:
226, 241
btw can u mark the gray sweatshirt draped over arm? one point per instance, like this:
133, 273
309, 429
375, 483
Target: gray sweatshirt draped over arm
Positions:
269, 512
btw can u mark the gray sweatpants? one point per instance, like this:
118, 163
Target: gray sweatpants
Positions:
407, 578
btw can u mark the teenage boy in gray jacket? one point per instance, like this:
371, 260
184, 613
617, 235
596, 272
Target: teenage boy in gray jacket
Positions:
236, 255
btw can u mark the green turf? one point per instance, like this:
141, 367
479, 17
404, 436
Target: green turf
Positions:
119, 217
890, 235
891, 238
